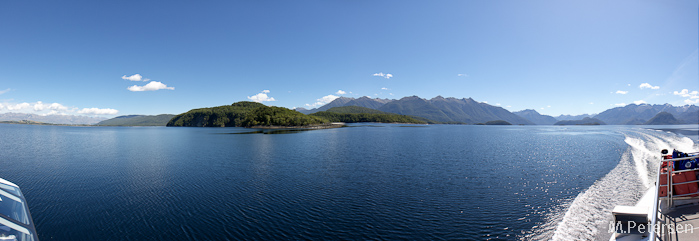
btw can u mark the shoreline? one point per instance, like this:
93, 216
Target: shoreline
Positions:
313, 127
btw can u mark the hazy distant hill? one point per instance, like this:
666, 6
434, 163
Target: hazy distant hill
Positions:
368, 102
663, 118
355, 110
52, 119
535, 117
633, 113
584, 121
137, 120
451, 110
689, 117
572, 117
335, 103
347, 101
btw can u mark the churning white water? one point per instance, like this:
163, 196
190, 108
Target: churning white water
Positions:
587, 217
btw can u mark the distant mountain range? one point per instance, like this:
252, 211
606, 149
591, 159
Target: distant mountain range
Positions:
584, 121
469, 111
53, 119
137, 120
639, 114
440, 109
435, 110
536, 118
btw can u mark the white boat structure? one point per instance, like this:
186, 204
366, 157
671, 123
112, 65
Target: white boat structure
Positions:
665, 212
16, 222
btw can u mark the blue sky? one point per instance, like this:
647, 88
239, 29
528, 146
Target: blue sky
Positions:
558, 57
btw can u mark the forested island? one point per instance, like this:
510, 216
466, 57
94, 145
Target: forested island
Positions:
245, 114
256, 115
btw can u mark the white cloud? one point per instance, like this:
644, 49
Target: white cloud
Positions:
340, 92
686, 93
45, 109
639, 102
40, 106
485, 102
648, 86
381, 74
261, 97
19, 106
620, 104
462, 75
390, 93
152, 86
323, 100
498, 104
548, 106
621, 92
384, 88
693, 96
629, 84
592, 103
136, 77
97, 111
4, 91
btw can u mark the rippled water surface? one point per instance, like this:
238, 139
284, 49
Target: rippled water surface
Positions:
361, 182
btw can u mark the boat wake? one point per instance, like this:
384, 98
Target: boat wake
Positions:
588, 216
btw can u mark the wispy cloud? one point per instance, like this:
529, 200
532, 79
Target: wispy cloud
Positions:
384, 88
462, 75
621, 92
261, 97
98, 111
639, 102
152, 86
693, 96
381, 74
620, 104
686, 93
135, 77
648, 86
340, 92
42, 108
322, 101
4, 91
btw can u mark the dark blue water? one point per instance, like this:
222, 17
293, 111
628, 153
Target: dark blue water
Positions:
361, 182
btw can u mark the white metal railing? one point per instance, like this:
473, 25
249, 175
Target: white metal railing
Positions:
669, 196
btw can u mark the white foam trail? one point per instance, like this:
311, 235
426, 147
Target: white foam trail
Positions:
589, 214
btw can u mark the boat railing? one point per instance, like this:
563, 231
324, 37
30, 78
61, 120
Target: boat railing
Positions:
657, 225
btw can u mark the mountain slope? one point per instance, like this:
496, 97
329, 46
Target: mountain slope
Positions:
584, 121
451, 110
634, 113
416, 106
662, 118
690, 117
137, 120
355, 114
535, 117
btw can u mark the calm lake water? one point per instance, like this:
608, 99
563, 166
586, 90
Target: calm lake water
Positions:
377, 181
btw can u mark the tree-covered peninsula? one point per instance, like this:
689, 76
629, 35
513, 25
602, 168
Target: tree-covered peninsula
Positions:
355, 114
245, 114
